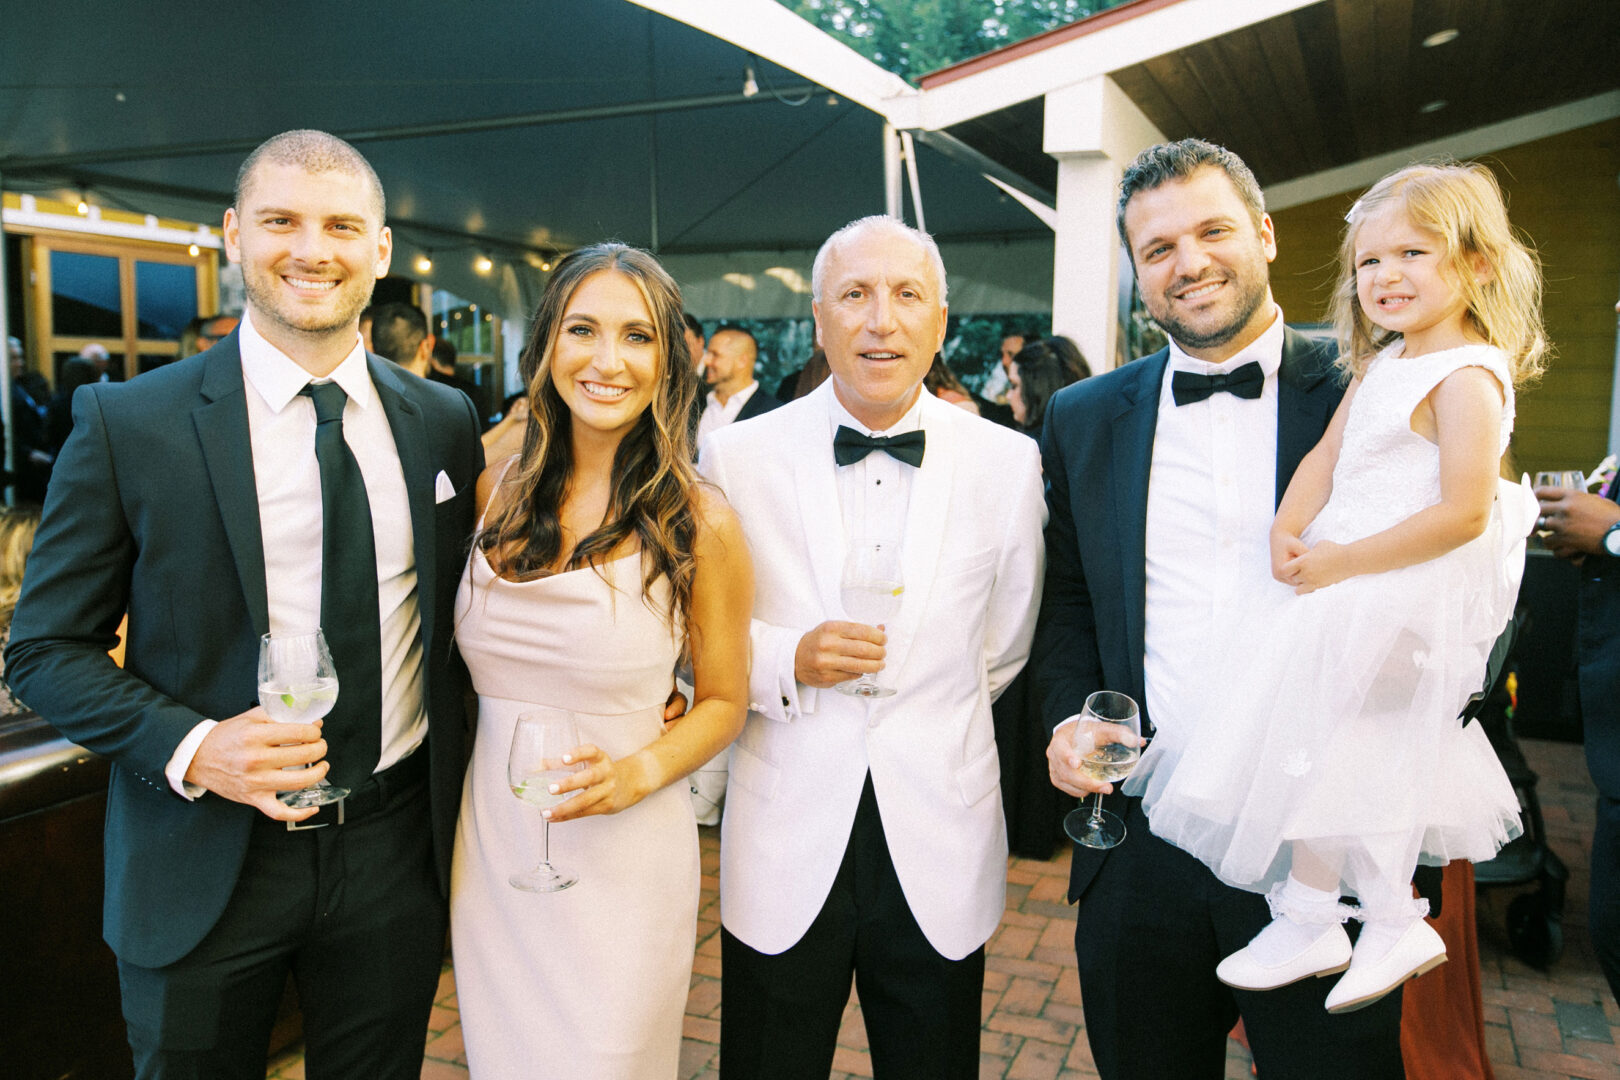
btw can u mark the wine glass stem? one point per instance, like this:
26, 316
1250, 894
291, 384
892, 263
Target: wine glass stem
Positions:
1096, 810
545, 843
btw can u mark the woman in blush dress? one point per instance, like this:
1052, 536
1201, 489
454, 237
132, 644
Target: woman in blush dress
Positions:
600, 561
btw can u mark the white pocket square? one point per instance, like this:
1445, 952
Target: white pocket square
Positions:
443, 489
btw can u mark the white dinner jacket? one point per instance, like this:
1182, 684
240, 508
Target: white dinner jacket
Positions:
972, 561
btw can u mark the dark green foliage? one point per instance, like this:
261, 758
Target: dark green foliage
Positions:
913, 37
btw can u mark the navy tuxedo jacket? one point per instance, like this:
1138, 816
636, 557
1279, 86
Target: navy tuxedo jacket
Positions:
153, 510
1597, 652
1097, 451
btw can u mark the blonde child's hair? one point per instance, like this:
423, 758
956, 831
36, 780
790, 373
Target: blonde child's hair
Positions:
1461, 203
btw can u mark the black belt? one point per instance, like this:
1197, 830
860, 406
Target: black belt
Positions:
379, 791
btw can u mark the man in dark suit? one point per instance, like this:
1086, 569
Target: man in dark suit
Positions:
728, 371
280, 480
1585, 527
1163, 479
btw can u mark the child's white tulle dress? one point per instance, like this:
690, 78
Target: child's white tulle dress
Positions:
1338, 725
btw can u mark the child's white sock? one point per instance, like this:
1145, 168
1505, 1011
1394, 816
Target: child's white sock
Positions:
1300, 915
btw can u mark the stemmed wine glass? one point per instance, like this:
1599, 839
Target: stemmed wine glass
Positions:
299, 685
871, 591
1568, 480
1110, 731
539, 740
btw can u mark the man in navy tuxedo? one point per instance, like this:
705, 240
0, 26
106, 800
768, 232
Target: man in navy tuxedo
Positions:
1163, 479
280, 480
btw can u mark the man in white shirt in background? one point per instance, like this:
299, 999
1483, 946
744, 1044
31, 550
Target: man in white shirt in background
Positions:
728, 371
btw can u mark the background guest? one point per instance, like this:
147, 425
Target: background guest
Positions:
728, 371
942, 382
1039, 371
30, 406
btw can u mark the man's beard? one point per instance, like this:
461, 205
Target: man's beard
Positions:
344, 316
1190, 337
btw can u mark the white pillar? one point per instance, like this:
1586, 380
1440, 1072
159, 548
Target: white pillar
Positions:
1093, 130
892, 178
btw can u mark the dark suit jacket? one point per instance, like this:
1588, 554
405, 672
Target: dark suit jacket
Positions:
154, 511
1597, 652
1097, 450
758, 403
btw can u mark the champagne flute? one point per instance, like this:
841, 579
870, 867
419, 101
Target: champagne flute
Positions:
539, 740
1110, 732
871, 592
299, 685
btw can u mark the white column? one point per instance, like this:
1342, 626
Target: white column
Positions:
1093, 130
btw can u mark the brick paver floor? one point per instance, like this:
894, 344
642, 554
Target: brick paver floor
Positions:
1558, 1025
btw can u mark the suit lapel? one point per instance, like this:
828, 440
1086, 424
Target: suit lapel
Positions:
927, 514
411, 440
222, 431
1133, 428
815, 483
1305, 403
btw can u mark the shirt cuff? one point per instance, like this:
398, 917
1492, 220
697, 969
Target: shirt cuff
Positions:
180, 761
775, 693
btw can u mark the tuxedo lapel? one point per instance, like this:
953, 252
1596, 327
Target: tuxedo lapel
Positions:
1306, 399
1133, 428
227, 449
411, 440
815, 485
927, 516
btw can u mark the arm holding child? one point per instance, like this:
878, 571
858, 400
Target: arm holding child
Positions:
1462, 415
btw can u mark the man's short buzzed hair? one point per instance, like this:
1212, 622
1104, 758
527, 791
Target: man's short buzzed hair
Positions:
397, 331
732, 328
1160, 164
313, 151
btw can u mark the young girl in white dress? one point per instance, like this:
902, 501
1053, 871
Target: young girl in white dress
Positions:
1333, 760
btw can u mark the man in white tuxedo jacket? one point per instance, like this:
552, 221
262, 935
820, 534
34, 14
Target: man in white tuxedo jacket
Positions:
863, 834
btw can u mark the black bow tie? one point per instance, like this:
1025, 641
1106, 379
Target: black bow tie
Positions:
1244, 381
849, 446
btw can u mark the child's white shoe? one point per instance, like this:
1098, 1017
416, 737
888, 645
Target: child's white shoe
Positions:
1259, 967
1418, 949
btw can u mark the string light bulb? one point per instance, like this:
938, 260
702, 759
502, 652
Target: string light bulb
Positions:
750, 87
424, 265
483, 264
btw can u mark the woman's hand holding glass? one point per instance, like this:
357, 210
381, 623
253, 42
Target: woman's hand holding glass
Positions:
603, 785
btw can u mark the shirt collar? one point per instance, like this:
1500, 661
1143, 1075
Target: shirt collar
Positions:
737, 400
278, 377
1265, 349
838, 416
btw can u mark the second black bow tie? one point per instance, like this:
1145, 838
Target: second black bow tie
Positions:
850, 446
1244, 381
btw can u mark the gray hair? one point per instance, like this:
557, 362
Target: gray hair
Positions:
1177, 161
883, 222
315, 152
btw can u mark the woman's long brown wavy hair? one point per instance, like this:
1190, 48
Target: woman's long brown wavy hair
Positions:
652, 481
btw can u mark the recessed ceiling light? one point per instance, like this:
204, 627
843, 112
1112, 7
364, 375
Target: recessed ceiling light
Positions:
1441, 37
1434, 106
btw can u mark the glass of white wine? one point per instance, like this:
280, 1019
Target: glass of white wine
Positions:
1109, 733
299, 685
539, 740
871, 592
1568, 480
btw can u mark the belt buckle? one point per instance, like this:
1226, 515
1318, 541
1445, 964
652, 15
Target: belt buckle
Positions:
299, 826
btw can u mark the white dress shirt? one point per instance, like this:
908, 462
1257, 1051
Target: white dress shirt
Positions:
281, 431
874, 493
1211, 500
717, 415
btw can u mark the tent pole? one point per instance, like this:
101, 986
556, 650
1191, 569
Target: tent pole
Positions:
5, 372
910, 149
891, 173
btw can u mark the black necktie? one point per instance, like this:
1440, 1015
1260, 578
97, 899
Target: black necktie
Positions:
1244, 381
849, 446
349, 614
